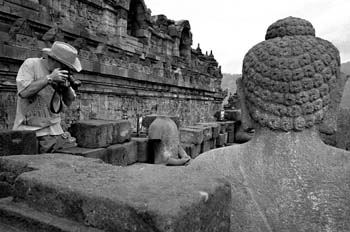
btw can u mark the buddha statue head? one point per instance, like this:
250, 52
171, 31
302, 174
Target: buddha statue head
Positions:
287, 79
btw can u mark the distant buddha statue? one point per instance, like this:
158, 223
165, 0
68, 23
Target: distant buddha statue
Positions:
164, 140
285, 178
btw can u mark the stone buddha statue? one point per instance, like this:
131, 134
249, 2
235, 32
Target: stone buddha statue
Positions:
285, 178
164, 139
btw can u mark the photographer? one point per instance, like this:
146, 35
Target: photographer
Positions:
42, 85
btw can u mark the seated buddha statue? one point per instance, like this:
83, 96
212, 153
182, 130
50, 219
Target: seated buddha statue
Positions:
285, 178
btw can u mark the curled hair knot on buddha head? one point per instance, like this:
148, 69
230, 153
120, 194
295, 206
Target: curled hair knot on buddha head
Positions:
287, 78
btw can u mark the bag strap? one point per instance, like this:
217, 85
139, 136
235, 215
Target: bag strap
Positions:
52, 107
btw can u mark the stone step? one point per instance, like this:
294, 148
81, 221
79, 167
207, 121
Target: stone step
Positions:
18, 217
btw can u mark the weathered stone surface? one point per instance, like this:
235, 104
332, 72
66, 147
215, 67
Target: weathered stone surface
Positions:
206, 146
223, 126
93, 133
329, 124
241, 135
164, 136
122, 154
233, 115
212, 143
134, 198
98, 153
343, 132
101, 133
143, 150
267, 163
121, 131
207, 131
221, 140
230, 137
230, 126
18, 142
215, 127
6, 189
230, 131
285, 178
125, 72
193, 150
148, 119
23, 218
191, 135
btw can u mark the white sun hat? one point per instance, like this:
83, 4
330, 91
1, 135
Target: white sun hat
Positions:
64, 53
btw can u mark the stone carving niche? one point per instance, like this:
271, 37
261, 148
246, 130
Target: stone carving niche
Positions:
136, 18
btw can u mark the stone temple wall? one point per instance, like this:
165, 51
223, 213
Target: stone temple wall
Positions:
133, 63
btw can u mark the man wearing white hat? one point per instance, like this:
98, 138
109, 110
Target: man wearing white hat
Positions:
36, 79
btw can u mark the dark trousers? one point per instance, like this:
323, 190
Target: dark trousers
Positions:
52, 143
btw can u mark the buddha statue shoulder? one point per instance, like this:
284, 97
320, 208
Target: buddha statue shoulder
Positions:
285, 178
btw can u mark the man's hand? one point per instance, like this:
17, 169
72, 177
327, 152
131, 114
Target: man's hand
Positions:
58, 76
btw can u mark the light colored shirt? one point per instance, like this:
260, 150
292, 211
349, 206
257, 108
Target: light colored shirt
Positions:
34, 113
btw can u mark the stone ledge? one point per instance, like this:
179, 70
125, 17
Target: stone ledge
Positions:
141, 197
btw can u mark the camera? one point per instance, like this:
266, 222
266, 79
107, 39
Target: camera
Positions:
70, 81
75, 84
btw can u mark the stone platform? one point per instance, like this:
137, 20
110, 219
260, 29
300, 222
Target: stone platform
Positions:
141, 197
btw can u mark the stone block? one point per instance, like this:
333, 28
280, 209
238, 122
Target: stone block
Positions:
205, 146
191, 135
121, 131
93, 133
233, 115
223, 126
215, 127
143, 152
18, 142
148, 119
193, 150
230, 126
122, 154
101, 133
113, 198
230, 137
98, 153
212, 143
221, 140
207, 131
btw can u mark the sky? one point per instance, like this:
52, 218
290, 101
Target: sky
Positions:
231, 27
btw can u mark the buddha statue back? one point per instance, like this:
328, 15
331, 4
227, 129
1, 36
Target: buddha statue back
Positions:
286, 178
